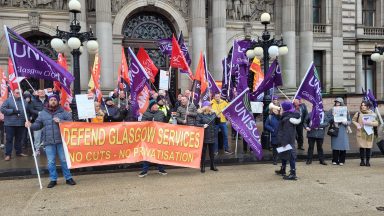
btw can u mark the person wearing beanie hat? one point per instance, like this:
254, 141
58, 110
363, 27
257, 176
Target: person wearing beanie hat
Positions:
272, 125
153, 114
302, 109
286, 134
206, 118
48, 120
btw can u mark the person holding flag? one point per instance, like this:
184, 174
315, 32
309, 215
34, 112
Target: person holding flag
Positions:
37, 106
14, 121
218, 105
49, 120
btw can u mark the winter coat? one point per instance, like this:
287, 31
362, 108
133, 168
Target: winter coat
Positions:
363, 139
218, 108
209, 132
191, 118
316, 132
303, 112
51, 131
341, 142
272, 125
114, 114
11, 117
286, 134
153, 116
37, 106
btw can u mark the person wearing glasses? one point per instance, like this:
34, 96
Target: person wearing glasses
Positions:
14, 120
365, 120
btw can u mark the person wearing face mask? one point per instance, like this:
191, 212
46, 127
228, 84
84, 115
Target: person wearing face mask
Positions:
271, 125
364, 139
339, 143
48, 120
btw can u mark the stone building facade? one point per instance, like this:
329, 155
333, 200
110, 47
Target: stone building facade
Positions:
338, 35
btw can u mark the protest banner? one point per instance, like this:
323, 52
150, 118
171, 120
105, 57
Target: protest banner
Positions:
85, 106
92, 144
340, 114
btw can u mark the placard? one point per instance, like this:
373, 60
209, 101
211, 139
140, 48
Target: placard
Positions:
164, 80
340, 114
85, 106
257, 107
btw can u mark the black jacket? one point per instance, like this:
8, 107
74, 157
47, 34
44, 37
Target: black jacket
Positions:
114, 114
153, 116
209, 132
37, 106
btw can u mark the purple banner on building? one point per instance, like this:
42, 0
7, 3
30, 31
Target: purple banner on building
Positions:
239, 113
271, 79
165, 46
310, 90
139, 79
31, 62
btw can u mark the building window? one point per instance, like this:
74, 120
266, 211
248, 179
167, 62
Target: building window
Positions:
369, 73
316, 11
319, 64
368, 10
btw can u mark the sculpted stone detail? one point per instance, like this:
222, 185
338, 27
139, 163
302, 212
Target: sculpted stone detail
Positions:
45, 4
116, 5
248, 9
34, 20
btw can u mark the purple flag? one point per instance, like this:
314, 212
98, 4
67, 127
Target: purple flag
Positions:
238, 52
310, 90
272, 78
31, 62
139, 79
213, 88
225, 80
165, 46
239, 113
184, 49
370, 97
242, 78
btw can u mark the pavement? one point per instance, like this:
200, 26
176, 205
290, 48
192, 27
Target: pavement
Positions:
251, 189
25, 166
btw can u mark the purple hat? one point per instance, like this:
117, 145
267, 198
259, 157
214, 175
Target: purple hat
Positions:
287, 106
54, 96
298, 97
275, 97
206, 103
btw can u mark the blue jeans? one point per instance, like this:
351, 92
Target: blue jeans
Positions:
146, 167
13, 132
224, 130
50, 151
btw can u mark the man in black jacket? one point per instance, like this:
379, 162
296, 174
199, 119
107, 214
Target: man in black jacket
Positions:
302, 109
153, 114
37, 106
112, 112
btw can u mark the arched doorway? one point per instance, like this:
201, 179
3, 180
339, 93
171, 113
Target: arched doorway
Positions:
144, 29
42, 42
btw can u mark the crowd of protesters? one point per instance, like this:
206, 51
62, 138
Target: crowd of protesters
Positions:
286, 124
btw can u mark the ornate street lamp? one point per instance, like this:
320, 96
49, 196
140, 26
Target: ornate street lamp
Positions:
267, 49
72, 42
377, 55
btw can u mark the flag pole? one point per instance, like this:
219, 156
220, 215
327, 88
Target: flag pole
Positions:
283, 93
206, 76
30, 84
13, 97
302, 81
25, 113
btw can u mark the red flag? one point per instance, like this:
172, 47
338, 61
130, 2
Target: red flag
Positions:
12, 76
147, 63
259, 75
96, 77
4, 88
178, 59
123, 78
65, 98
200, 74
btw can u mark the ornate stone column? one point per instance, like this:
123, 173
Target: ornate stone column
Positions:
104, 38
219, 36
359, 76
84, 62
199, 32
337, 49
306, 36
289, 35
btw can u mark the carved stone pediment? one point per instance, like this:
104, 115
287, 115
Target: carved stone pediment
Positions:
34, 20
248, 9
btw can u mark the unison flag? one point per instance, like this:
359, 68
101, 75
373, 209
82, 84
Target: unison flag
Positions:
369, 96
239, 113
271, 79
165, 46
31, 62
213, 88
139, 85
147, 63
310, 90
184, 49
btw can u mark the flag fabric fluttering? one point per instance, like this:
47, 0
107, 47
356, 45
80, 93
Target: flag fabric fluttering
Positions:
199, 83
65, 98
184, 49
258, 76
147, 64
123, 80
310, 90
139, 86
13, 80
31, 62
272, 79
178, 59
368, 95
3, 87
165, 46
96, 77
239, 113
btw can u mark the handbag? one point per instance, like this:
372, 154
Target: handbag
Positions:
333, 131
380, 144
